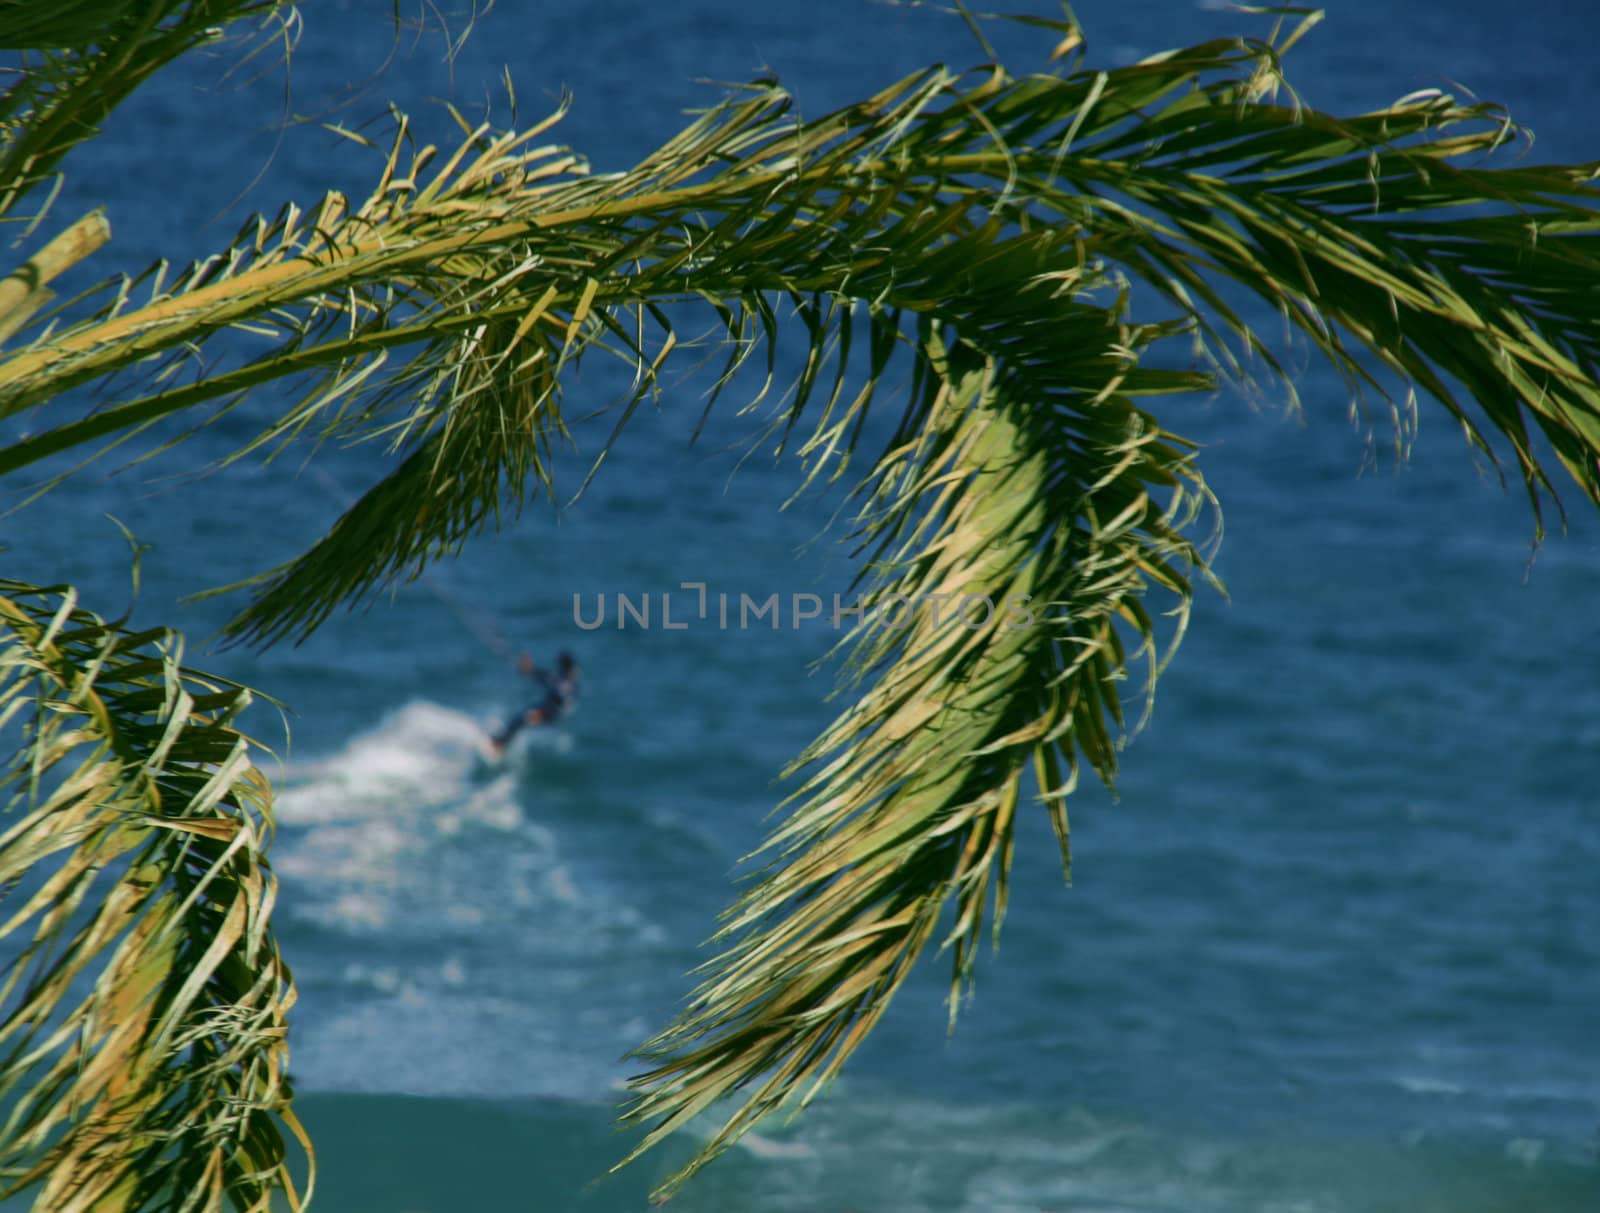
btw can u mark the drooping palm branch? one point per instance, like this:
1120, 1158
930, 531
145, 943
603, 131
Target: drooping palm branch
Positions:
1017, 528
142, 1050
981, 232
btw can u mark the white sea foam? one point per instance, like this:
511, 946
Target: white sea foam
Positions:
1422, 1084
368, 829
422, 754
416, 862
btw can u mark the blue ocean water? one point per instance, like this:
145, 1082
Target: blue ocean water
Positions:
1334, 948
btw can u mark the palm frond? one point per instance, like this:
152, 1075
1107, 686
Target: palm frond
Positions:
67, 23
1016, 528
81, 59
142, 998
1350, 227
445, 304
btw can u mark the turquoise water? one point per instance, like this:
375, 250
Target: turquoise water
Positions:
1334, 949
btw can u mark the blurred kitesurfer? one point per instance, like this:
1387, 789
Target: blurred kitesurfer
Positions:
560, 693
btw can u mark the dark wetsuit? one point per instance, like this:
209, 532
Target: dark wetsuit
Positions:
560, 692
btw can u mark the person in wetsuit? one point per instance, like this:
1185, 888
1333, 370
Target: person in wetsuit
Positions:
560, 693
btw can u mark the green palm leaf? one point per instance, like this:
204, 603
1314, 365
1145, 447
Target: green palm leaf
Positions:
1018, 529
83, 58
441, 310
142, 999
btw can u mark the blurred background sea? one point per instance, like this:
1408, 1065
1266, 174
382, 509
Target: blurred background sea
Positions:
1335, 947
